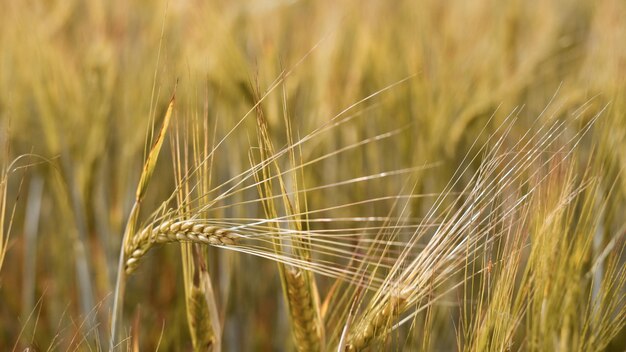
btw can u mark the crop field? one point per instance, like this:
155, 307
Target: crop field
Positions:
299, 175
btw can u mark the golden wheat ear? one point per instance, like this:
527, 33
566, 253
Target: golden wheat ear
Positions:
171, 231
378, 323
299, 287
198, 314
205, 326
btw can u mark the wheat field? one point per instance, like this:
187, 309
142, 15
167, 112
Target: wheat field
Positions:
272, 175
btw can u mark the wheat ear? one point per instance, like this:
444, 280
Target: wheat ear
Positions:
306, 325
375, 324
202, 334
176, 231
129, 232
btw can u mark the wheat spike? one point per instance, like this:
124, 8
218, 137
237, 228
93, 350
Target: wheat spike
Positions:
375, 324
202, 334
306, 325
176, 231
